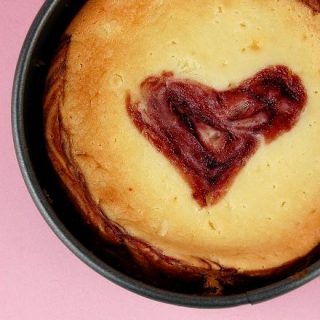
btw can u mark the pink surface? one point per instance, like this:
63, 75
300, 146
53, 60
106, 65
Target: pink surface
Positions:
40, 278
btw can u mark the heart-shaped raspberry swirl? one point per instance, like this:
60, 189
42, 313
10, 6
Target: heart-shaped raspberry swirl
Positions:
209, 135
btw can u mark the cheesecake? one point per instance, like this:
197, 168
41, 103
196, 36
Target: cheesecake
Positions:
188, 132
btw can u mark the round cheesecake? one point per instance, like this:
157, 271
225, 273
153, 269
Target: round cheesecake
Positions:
188, 132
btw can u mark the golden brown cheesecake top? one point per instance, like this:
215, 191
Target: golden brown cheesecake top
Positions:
270, 213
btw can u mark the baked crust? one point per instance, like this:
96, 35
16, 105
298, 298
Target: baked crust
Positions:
130, 192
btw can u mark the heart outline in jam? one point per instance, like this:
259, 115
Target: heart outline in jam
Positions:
210, 135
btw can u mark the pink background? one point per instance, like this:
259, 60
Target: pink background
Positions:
40, 278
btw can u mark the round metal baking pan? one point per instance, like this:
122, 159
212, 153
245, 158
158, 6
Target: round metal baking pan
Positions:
49, 196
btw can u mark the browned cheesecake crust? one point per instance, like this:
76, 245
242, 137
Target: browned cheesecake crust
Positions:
212, 279
138, 256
